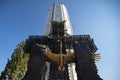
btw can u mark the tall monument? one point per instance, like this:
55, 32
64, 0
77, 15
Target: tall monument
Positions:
60, 55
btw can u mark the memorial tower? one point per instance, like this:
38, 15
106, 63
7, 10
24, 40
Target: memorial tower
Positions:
59, 54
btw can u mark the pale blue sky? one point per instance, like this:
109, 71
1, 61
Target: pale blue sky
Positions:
98, 18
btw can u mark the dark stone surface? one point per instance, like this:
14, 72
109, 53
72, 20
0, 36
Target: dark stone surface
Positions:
83, 47
85, 66
37, 64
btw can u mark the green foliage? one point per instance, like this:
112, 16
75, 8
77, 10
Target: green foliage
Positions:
17, 66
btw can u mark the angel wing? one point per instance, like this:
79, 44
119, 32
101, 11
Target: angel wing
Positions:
67, 58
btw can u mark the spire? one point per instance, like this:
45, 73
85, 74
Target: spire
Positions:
58, 13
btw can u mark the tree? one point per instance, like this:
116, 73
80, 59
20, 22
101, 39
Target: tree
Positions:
16, 67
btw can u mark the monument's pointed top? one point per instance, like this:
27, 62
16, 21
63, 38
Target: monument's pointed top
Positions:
58, 13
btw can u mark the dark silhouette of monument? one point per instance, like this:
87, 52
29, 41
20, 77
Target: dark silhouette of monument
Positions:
60, 55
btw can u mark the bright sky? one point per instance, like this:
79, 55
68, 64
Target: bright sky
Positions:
98, 18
